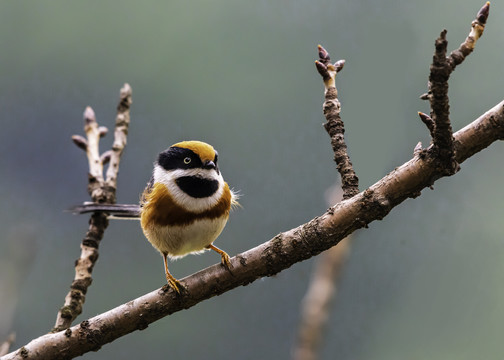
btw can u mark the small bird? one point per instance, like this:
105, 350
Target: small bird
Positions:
184, 207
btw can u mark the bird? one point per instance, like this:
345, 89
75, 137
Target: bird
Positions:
184, 207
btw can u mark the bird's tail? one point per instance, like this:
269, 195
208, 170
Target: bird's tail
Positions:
114, 211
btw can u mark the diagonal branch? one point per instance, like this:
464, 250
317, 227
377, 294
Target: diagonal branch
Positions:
101, 191
271, 257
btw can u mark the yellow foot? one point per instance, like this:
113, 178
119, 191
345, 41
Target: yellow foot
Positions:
225, 261
224, 256
174, 284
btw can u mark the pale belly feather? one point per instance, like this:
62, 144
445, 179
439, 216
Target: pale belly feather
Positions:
178, 241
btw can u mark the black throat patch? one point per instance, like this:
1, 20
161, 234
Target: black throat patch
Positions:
197, 187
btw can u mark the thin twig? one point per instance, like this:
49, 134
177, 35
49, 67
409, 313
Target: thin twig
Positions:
442, 137
101, 191
120, 135
329, 266
334, 125
440, 71
267, 259
5, 345
477, 27
318, 298
321, 291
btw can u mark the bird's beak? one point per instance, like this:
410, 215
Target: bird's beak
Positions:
209, 164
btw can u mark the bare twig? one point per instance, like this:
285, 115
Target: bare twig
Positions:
317, 301
442, 137
271, 257
120, 135
102, 191
440, 71
322, 289
477, 27
5, 345
329, 266
334, 125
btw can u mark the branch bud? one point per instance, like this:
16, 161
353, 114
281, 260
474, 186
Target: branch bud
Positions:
322, 69
89, 116
418, 148
105, 157
338, 65
483, 13
323, 54
103, 131
80, 142
426, 119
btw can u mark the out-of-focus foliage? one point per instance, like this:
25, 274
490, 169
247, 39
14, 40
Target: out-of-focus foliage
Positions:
424, 283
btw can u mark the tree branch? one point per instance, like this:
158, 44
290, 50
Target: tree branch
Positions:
120, 137
316, 303
334, 125
477, 27
5, 345
285, 249
101, 190
271, 257
440, 71
322, 288
328, 268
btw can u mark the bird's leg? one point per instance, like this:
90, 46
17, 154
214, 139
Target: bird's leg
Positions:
224, 256
172, 282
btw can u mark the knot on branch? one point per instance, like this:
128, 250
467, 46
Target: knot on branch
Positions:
331, 108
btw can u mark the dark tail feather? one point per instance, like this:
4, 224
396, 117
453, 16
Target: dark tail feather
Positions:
115, 211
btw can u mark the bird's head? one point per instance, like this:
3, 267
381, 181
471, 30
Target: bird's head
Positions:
189, 155
190, 171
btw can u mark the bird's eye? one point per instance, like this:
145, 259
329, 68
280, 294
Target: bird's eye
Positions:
187, 160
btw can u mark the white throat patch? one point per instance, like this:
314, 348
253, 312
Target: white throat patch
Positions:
168, 178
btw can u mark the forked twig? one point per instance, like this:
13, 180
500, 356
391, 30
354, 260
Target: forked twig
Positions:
442, 66
101, 190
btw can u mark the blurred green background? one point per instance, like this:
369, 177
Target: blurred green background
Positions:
424, 283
